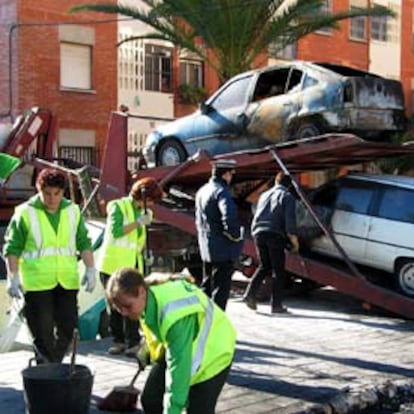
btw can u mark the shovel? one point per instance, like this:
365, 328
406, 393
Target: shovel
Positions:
122, 398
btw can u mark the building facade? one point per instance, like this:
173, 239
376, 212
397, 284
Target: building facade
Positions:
66, 63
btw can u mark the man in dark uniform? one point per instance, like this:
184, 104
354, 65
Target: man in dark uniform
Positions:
273, 229
220, 235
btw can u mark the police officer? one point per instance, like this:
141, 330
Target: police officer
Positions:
220, 235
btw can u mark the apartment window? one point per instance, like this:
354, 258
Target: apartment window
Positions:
358, 29
289, 52
326, 8
75, 66
191, 73
379, 28
158, 70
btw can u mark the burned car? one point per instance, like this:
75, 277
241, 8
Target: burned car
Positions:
277, 103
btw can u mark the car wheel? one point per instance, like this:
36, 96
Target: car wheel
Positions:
405, 277
171, 152
308, 130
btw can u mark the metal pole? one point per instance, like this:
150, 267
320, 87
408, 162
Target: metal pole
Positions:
305, 200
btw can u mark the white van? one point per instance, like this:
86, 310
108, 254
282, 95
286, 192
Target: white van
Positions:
373, 220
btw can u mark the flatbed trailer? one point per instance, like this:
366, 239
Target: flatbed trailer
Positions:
258, 167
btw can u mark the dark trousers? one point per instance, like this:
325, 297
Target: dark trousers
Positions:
123, 330
217, 281
271, 253
51, 316
202, 398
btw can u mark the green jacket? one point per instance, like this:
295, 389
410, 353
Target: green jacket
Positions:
198, 337
118, 249
46, 244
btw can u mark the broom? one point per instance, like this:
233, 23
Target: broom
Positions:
122, 398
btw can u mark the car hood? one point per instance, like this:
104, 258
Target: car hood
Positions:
177, 127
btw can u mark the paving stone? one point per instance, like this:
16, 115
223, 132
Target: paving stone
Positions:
285, 365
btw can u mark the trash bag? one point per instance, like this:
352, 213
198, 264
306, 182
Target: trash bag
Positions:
13, 327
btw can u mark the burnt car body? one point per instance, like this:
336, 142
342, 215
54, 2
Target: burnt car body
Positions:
277, 103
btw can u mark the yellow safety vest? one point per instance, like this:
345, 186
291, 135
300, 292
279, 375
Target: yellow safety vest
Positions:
213, 347
49, 256
124, 251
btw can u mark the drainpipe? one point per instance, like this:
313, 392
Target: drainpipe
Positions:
8, 112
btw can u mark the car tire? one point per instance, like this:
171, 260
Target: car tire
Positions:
171, 152
308, 130
405, 277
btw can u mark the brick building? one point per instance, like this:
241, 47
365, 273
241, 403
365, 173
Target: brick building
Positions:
65, 63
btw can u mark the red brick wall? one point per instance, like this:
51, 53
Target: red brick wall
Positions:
39, 67
336, 47
407, 52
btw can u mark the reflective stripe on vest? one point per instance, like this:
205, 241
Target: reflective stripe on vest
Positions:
201, 345
124, 251
37, 236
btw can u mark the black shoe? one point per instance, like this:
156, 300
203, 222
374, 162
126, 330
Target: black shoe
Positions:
250, 302
279, 310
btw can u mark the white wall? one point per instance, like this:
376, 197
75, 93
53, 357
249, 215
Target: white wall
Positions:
385, 57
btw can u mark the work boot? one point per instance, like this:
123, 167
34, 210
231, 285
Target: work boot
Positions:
250, 302
117, 348
279, 310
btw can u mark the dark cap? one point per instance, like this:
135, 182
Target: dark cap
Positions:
225, 164
220, 167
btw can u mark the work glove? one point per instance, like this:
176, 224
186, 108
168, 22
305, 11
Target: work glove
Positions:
145, 219
143, 355
149, 258
89, 279
14, 286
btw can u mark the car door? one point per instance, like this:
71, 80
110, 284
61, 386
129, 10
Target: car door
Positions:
391, 228
220, 123
351, 202
270, 116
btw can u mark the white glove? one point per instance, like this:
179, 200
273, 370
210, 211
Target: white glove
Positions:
89, 279
145, 219
14, 286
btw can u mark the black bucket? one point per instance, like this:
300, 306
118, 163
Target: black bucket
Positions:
50, 388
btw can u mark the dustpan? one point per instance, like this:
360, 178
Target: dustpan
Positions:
13, 326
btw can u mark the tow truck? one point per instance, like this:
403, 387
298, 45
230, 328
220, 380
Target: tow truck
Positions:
173, 236
255, 168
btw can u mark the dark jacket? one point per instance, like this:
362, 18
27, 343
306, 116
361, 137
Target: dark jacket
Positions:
220, 236
275, 213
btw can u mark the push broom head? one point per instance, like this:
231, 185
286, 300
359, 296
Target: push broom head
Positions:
120, 399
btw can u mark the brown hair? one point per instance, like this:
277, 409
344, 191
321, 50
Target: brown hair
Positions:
126, 280
147, 187
51, 178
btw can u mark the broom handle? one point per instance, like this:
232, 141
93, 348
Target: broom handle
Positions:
74, 346
135, 377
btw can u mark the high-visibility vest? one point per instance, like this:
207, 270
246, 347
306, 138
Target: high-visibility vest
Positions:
123, 251
213, 347
49, 256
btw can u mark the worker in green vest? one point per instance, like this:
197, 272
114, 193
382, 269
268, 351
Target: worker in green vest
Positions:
42, 241
198, 338
124, 242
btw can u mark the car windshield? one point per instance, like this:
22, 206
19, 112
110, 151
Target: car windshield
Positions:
235, 94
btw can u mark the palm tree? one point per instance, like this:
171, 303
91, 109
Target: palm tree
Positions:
237, 31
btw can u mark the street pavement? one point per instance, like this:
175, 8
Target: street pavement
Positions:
283, 364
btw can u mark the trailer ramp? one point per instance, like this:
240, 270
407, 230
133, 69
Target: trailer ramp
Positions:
312, 154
